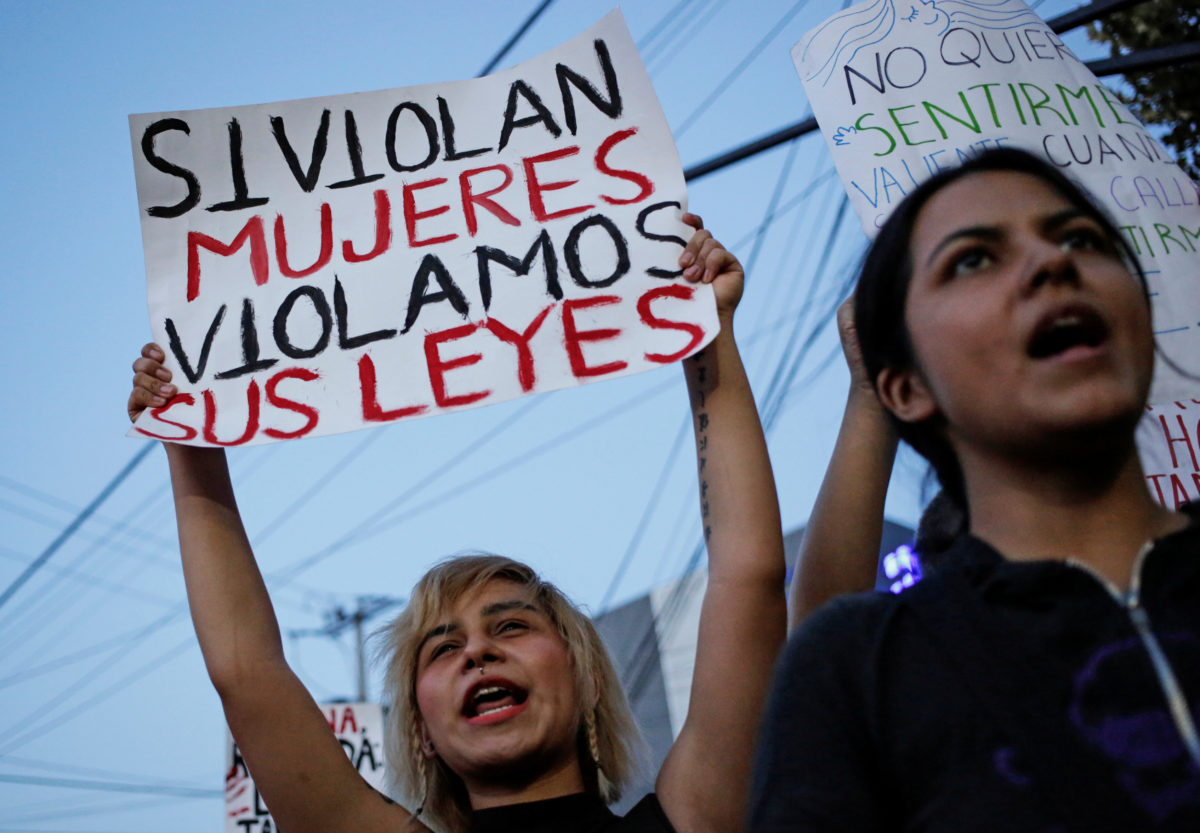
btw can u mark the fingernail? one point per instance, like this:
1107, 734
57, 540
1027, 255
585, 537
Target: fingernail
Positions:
686, 258
163, 374
166, 390
157, 400
691, 273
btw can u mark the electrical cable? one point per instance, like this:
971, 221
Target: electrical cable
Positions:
70, 529
739, 69
516, 36
655, 494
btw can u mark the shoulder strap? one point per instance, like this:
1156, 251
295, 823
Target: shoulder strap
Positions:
1071, 778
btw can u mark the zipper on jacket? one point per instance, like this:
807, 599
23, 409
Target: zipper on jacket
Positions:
1167, 681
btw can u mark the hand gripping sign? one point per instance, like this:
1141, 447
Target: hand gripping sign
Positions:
328, 264
904, 89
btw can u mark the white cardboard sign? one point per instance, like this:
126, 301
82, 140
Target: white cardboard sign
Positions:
358, 728
903, 88
327, 264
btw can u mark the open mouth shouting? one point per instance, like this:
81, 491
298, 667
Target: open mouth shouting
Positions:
1070, 331
492, 700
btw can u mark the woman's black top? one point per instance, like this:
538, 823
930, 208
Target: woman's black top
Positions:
582, 813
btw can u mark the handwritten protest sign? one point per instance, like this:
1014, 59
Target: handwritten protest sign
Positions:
327, 264
358, 728
904, 89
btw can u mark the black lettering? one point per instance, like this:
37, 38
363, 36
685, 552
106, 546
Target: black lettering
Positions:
654, 271
176, 346
849, 70
307, 180
251, 363
431, 136
447, 120
320, 306
609, 105
973, 60
237, 171
193, 184
887, 67
541, 114
340, 311
418, 297
486, 255
575, 261
354, 149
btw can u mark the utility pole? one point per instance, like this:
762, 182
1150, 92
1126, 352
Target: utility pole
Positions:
338, 620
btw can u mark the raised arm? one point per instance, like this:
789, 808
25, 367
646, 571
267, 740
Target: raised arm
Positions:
297, 764
840, 549
703, 783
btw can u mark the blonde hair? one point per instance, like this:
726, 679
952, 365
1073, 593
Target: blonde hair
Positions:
607, 733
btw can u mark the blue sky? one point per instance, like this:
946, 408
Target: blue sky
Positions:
99, 675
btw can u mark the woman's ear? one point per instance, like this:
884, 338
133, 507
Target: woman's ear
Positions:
905, 394
427, 748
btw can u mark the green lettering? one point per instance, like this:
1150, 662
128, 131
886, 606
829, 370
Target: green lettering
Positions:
859, 126
1081, 93
987, 92
900, 125
1189, 236
1106, 97
933, 110
1043, 104
1133, 241
1164, 234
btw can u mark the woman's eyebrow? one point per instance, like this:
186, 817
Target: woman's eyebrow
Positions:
503, 607
1061, 218
976, 232
440, 630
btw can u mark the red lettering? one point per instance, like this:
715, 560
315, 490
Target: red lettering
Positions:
306, 411
371, 410
573, 337
252, 231
1153, 478
438, 367
210, 417
383, 231
1185, 439
412, 215
1178, 491
536, 204
348, 720
643, 182
326, 245
683, 293
525, 373
157, 413
471, 199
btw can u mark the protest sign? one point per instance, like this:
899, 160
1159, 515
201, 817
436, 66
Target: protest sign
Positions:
358, 728
902, 90
327, 264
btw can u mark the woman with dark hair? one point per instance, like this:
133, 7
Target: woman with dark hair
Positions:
1047, 676
506, 713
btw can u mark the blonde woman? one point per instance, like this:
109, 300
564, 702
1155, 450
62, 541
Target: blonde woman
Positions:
507, 715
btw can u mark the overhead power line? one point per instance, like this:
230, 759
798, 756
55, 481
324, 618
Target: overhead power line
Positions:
1086, 14
113, 786
63, 536
516, 36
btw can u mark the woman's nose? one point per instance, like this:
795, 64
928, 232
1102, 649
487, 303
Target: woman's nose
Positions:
1049, 263
480, 652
